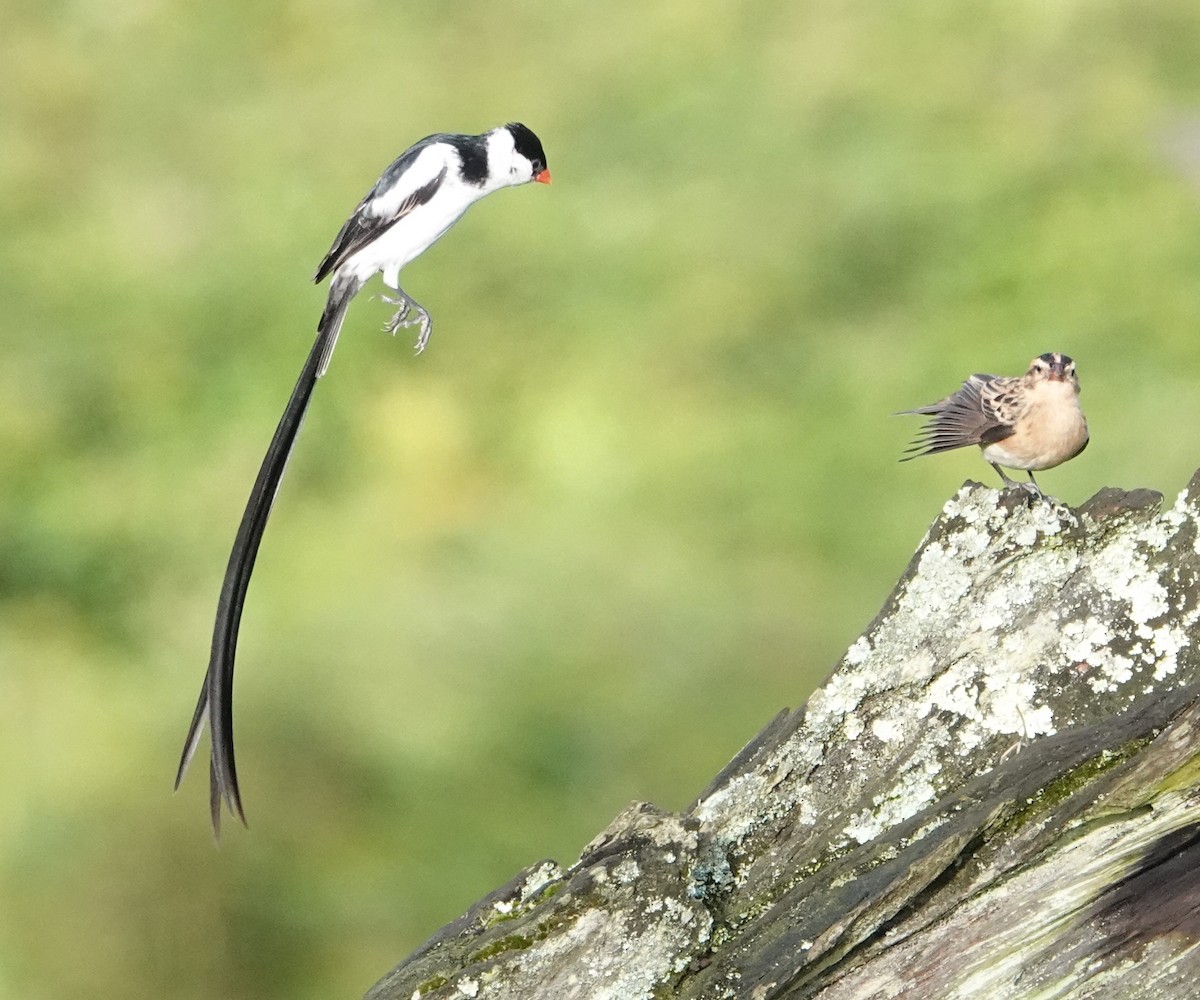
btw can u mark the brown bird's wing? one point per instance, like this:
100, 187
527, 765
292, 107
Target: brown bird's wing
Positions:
983, 411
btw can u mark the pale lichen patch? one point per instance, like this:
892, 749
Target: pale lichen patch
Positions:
887, 730
941, 581
627, 871
607, 955
956, 691
905, 798
1112, 671
1123, 567
959, 505
858, 651
540, 877
916, 668
842, 693
1083, 639
1010, 708
1169, 641
723, 806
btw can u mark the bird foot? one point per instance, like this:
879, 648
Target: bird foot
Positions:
1025, 494
426, 330
400, 317
403, 317
1031, 489
1031, 493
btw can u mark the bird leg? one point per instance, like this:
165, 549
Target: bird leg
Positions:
401, 314
1030, 487
402, 317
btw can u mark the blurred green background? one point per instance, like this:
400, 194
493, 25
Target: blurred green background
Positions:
638, 495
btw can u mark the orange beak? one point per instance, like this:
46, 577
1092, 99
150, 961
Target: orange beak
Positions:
543, 177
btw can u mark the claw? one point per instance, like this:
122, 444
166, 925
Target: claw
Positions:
426, 330
1031, 487
397, 321
400, 317
403, 317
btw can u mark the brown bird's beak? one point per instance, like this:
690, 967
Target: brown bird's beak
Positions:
1058, 373
543, 177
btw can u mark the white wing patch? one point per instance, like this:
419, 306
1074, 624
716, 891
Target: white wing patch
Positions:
430, 162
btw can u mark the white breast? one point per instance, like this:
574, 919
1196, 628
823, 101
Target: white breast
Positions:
411, 236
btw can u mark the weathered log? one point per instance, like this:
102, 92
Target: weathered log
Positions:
993, 795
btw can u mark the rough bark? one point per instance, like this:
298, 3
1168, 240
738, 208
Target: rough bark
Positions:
993, 795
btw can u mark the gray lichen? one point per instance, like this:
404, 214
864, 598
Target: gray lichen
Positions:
1013, 733
1012, 616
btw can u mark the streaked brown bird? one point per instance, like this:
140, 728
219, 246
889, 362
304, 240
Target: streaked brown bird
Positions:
1030, 422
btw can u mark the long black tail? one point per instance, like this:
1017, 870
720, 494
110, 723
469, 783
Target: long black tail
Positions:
216, 696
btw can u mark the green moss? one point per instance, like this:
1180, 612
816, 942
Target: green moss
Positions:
1059, 790
435, 983
548, 891
1183, 777
514, 942
544, 894
497, 917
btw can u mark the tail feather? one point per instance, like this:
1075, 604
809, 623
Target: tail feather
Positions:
216, 696
341, 291
193, 734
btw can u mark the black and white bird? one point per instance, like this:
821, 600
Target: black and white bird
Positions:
420, 196
1029, 422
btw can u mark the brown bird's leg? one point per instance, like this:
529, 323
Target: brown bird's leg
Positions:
1029, 487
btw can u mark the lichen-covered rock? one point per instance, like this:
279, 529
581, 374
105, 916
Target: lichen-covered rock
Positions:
979, 797
615, 925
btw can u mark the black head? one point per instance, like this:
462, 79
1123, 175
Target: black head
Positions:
530, 147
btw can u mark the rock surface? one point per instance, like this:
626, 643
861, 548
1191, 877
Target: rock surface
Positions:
993, 795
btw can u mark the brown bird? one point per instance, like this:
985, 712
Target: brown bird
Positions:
1029, 422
